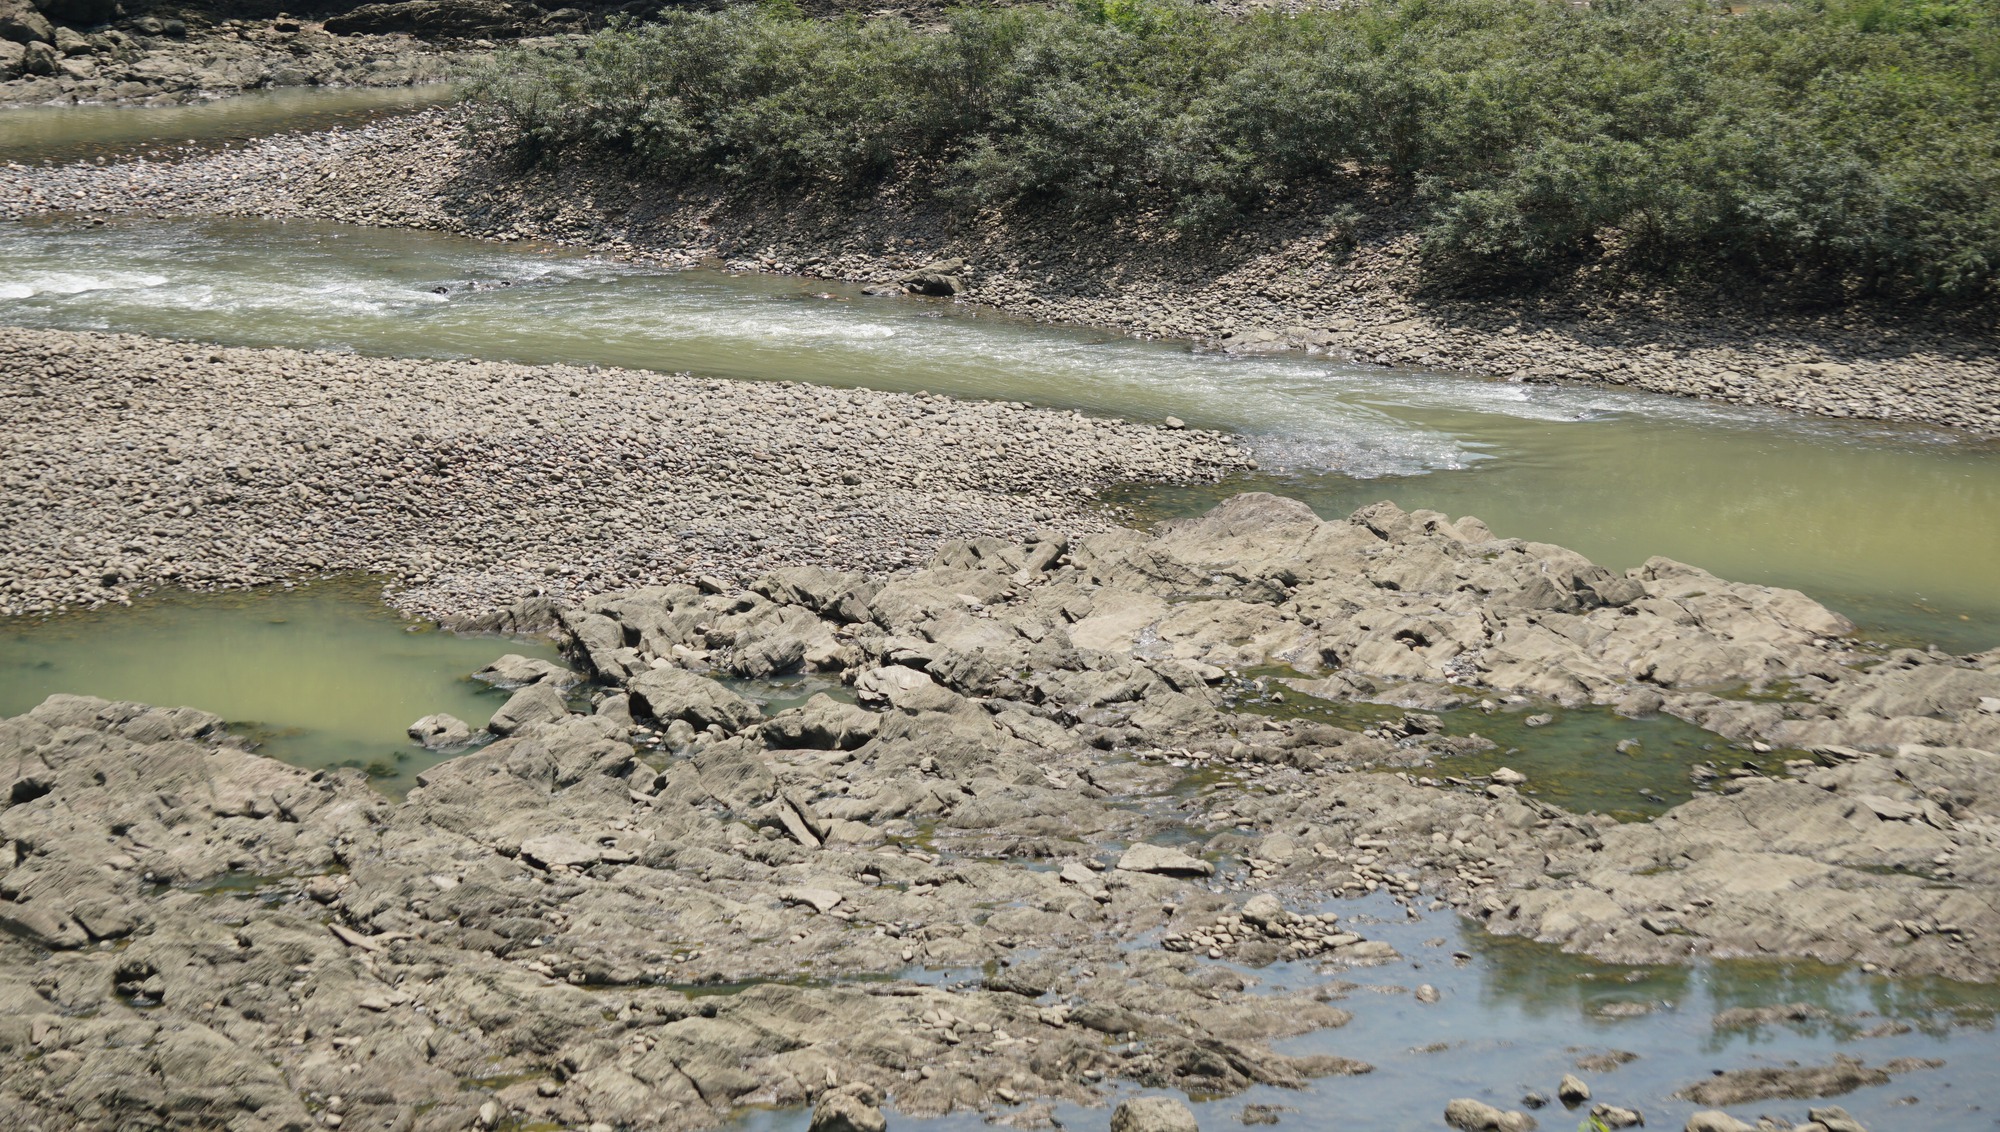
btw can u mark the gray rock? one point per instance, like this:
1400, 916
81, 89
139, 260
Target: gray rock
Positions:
531, 706
557, 851
1834, 1119
667, 694
1611, 1116
1714, 1120
39, 59
1145, 858
1262, 909
1152, 1114
441, 732
941, 279
845, 1112
1468, 1115
21, 23
516, 671
1572, 1091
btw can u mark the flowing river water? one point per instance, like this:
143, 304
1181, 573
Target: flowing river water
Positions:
1899, 527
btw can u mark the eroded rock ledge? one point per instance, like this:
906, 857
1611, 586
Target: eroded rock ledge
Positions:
1030, 756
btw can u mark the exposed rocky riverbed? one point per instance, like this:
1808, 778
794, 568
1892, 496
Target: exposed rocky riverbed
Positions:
1308, 279
135, 462
1047, 767
79, 57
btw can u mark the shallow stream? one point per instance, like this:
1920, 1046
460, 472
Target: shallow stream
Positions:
1514, 1016
1899, 527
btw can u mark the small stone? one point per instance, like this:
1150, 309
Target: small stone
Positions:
1572, 1090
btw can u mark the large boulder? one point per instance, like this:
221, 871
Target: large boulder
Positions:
532, 705
21, 23
1158, 859
441, 732
39, 59
667, 694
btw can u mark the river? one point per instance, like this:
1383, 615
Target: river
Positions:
1897, 526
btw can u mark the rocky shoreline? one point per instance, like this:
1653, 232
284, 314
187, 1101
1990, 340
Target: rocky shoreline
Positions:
1328, 279
151, 60
135, 462
1043, 764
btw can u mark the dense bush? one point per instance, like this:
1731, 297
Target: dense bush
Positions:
1849, 145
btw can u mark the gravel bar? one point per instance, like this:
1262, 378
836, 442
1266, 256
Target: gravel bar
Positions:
134, 462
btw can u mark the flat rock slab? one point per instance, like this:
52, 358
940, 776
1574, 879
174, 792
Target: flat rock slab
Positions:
821, 900
560, 851
1158, 859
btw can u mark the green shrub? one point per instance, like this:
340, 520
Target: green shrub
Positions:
1839, 147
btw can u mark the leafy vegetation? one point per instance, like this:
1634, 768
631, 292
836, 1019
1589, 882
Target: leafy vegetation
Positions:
1834, 146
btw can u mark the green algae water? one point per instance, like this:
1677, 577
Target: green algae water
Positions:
1586, 759
1899, 527
319, 675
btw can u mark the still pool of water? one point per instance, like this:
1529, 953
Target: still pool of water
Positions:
1515, 1016
32, 134
1587, 759
322, 674
1898, 527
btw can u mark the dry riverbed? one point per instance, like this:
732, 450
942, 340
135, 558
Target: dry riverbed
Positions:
135, 462
1306, 280
1040, 770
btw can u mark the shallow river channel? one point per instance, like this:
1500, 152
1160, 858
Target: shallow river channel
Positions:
1898, 527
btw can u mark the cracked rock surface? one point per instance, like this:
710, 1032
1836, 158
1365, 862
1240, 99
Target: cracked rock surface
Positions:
1032, 768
